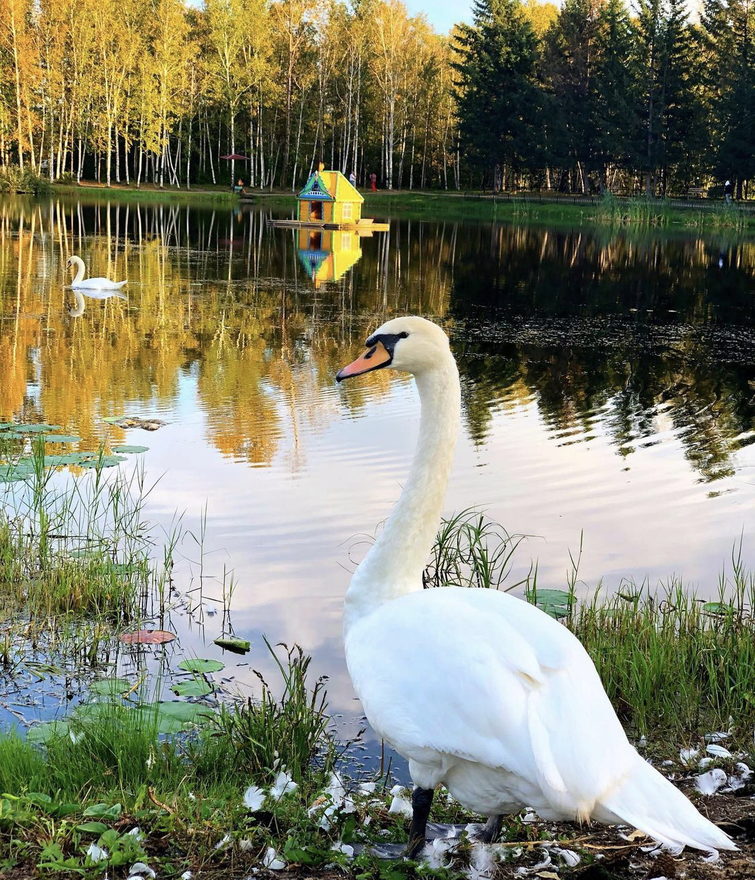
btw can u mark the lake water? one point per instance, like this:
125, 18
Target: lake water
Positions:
608, 390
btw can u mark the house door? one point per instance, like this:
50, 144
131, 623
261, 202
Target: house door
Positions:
315, 210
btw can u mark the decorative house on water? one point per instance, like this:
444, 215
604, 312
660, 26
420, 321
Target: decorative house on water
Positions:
329, 199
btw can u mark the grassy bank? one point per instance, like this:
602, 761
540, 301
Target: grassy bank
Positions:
220, 786
637, 213
146, 193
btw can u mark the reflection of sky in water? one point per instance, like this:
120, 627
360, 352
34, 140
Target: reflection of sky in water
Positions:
294, 471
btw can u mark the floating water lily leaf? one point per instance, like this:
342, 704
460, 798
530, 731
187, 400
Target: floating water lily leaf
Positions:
172, 717
97, 711
92, 827
103, 461
718, 608
35, 429
62, 438
14, 476
130, 448
110, 687
556, 603
147, 637
68, 458
200, 665
197, 687
238, 646
42, 733
12, 435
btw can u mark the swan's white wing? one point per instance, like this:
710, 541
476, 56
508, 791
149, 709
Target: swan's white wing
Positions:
99, 284
483, 676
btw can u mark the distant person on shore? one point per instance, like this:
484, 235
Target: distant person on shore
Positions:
728, 190
239, 188
353, 178
373, 182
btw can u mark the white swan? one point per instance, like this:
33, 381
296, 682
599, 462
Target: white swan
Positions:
477, 689
90, 283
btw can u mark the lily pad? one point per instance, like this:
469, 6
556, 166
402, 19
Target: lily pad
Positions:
238, 646
61, 438
130, 448
36, 429
556, 603
42, 733
103, 461
172, 717
68, 458
110, 687
196, 687
718, 608
12, 435
97, 711
147, 637
200, 665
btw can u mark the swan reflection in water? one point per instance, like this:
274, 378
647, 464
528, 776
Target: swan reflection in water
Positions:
79, 295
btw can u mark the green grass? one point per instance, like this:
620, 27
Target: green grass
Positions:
676, 666
631, 213
145, 193
76, 549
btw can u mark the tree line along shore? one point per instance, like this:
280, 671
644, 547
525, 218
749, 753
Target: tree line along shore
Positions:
591, 97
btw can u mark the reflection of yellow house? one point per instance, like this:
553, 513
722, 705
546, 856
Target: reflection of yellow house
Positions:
327, 253
329, 198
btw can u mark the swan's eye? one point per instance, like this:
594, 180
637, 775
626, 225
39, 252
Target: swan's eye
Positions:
403, 334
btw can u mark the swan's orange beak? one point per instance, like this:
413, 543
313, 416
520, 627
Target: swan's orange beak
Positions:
375, 357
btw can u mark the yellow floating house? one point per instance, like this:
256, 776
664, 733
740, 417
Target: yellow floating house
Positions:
329, 198
327, 254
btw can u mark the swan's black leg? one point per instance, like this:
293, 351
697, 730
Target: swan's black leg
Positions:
422, 799
492, 829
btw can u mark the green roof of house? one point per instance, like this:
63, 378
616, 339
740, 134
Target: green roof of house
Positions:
330, 186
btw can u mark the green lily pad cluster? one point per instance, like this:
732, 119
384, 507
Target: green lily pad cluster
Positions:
15, 468
113, 701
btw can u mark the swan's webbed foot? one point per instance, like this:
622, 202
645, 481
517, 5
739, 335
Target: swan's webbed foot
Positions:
422, 799
492, 829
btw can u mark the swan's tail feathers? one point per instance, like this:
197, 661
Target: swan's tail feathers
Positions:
651, 803
120, 284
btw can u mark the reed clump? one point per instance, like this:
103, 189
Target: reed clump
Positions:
676, 666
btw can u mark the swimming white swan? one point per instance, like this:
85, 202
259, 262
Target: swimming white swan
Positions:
91, 283
477, 689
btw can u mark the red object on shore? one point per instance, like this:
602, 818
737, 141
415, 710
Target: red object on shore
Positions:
234, 156
373, 182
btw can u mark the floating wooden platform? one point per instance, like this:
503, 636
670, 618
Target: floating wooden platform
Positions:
366, 226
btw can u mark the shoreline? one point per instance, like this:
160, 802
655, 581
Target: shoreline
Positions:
527, 208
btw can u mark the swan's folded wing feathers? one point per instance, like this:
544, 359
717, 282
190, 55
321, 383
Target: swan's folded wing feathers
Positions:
533, 706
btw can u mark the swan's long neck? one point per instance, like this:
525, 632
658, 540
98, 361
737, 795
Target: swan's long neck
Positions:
80, 269
395, 563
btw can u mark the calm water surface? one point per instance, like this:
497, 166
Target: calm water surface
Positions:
608, 382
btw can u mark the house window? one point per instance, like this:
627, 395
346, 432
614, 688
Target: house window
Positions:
347, 206
315, 210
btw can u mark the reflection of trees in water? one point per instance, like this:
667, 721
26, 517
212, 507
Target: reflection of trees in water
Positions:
632, 337
605, 332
